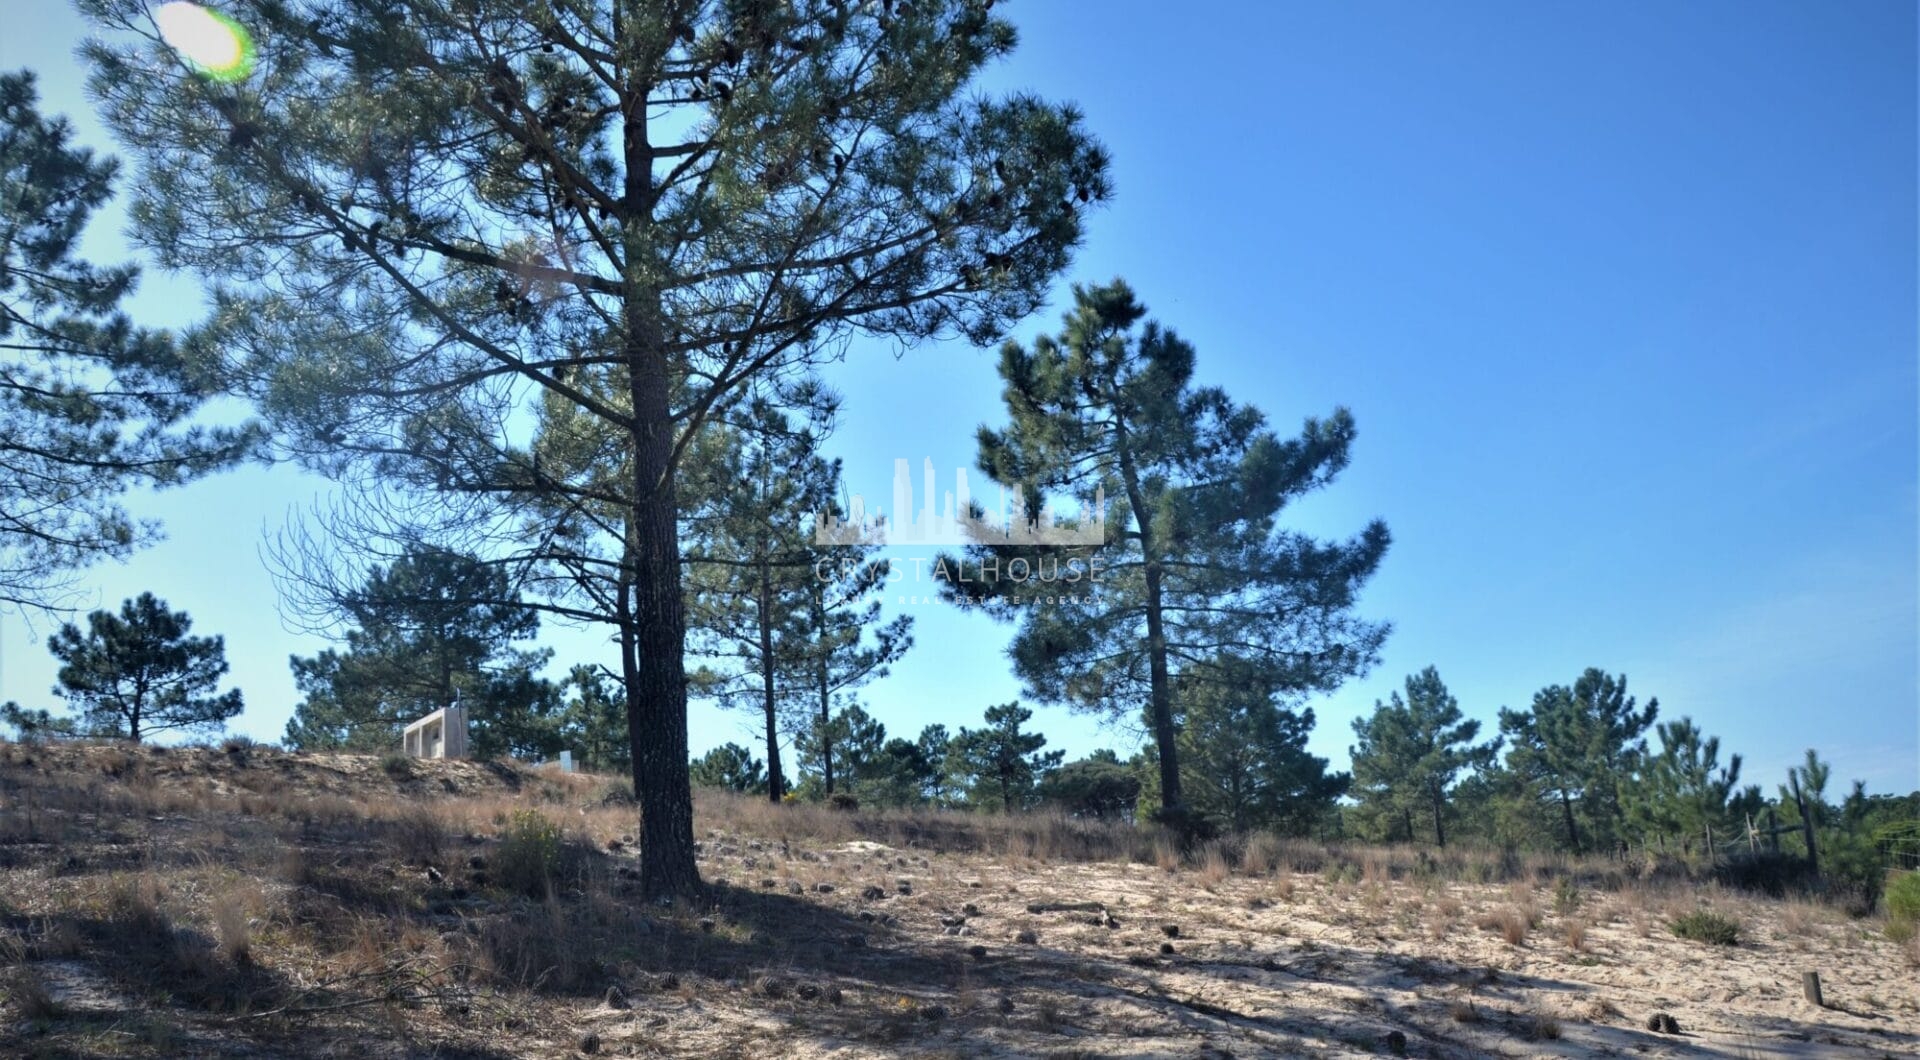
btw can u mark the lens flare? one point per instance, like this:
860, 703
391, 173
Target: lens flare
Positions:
210, 42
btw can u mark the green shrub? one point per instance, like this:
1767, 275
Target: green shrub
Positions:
1856, 873
397, 765
1903, 904
1566, 896
529, 853
1705, 925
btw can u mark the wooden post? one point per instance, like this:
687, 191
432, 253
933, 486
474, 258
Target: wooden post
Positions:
1710, 856
1810, 985
1753, 844
1773, 830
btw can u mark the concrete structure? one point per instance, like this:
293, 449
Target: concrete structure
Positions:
441, 734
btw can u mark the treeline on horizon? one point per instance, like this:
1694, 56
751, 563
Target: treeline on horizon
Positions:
1586, 769
563, 366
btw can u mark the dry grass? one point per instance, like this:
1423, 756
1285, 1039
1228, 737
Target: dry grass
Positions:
28, 995
1284, 886
1511, 922
233, 917
1215, 866
490, 911
1264, 853
1574, 933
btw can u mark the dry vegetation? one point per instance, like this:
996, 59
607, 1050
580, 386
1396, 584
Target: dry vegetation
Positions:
206, 902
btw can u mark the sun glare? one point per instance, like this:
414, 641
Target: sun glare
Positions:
211, 42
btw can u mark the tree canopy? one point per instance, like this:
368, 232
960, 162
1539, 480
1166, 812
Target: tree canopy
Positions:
1575, 748
1002, 762
139, 672
1195, 568
90, 404
1411, 750
427, 631
1246, 755
424, 222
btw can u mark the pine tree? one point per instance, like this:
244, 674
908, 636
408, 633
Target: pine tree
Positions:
427, 631
797, 623
90, 405
1575, 745
1001, 762
1411, 751
908, 772
30, 725
593, 721
1683, 790
138, 673
749, 563
422, 222
1195, 563
857, 740
730, 767
841, 607
1098, 786
1245, 756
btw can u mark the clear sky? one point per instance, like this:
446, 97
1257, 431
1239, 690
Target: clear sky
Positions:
1622, 297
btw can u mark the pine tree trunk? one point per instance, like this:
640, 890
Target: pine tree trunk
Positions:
1160, 691
657, 679
776, 783
657, 676
1573, 832
1439, 822
826, 733
1162, 699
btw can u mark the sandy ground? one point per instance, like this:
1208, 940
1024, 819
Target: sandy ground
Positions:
1299, 966
820, 947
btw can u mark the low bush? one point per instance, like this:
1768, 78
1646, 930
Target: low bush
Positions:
1705, 925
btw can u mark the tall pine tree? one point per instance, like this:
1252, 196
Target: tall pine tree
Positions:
422, 221
1195, 563
842, 607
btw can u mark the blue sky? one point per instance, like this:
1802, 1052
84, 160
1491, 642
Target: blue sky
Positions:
1622, 298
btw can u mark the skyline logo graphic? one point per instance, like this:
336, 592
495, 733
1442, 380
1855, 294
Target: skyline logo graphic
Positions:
955, 523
